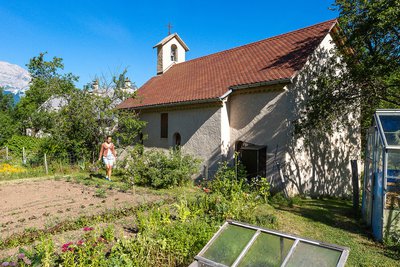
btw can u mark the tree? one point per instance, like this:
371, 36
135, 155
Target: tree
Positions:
77, 127
369, 57
129, 127
8, 125
6, 101
46, 82
81, 125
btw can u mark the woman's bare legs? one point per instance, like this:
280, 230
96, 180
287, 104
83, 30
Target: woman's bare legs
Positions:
108, 171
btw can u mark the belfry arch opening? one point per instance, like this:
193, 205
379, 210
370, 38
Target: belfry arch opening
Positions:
174, 53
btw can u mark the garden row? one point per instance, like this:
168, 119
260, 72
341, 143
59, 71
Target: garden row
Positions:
167, 233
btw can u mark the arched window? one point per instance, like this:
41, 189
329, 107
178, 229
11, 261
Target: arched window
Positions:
177, 139
174, 53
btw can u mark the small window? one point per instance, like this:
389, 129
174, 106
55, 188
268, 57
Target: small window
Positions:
174, 53
164, 125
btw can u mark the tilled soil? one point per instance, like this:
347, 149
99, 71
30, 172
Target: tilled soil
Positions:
44, 203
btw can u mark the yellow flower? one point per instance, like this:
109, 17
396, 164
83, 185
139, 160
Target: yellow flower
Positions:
7, 168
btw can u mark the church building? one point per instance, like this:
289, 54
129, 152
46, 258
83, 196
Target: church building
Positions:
246, 99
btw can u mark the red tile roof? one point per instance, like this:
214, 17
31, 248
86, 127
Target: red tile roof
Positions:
211, 76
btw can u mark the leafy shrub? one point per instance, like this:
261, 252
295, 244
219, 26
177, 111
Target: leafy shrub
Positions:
157, 169
227, 182
17, 142
230, 195
163, 242
261, 186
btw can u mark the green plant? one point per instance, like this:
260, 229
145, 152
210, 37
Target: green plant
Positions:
100, 193
158, 169
17, 142
183, 211
262, 187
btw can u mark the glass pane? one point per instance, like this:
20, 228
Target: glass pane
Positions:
227, 247
393, 168
391, 127
393, 181
267, 250
306, 255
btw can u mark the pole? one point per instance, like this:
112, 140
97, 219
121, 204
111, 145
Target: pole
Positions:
45, 164
6, 152
356, 191
23, 156
236, 165
61, 166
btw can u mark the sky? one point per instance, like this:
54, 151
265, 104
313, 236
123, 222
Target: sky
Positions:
102, 38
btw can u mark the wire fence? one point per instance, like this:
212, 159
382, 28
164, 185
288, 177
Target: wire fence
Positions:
41, 162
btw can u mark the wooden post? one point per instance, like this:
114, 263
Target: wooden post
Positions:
23, 156
6, 152
45, 164
356, 191
61, 166
236, 165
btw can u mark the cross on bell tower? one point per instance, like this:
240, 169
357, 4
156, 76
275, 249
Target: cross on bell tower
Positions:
170, 51
169, 27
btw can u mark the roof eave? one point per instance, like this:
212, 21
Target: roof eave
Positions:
168, 38
254, 85
182, 103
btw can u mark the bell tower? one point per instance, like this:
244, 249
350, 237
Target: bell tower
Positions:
171, 50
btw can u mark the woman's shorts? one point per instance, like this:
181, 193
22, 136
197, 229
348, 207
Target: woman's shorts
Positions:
109, 160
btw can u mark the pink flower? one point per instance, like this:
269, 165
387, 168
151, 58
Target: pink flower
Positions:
86, 229
80, 242
27, 261
67, 247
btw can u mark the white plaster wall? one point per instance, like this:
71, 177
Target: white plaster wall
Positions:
166, 54
261, 119
322, 165
200, 131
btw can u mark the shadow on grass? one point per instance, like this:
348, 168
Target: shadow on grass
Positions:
338, 214
96, 175
331, 212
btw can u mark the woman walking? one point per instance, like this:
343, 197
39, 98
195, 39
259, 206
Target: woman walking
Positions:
107, 151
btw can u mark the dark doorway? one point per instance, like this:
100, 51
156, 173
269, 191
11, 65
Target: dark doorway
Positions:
254, 159
177, 139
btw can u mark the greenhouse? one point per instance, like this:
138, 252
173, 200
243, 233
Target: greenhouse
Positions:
239, 244
381, 192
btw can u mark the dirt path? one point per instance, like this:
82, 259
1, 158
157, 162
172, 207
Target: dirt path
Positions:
43, 203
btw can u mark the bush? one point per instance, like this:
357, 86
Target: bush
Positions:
230, 195
157, 169
17, 142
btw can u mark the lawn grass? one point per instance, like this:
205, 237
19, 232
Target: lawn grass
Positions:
332, 221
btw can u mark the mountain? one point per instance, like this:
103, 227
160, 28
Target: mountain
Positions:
14, 79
